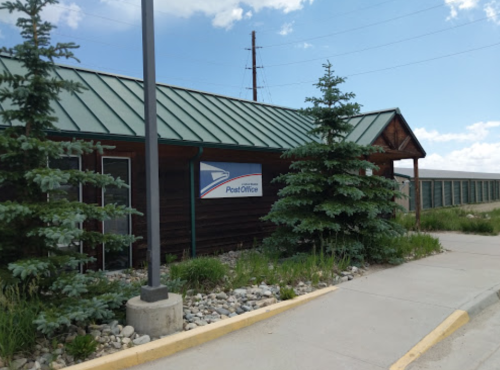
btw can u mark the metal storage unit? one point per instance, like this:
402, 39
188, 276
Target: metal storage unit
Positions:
446, 188
448, 199
465, 192
438, 194
426, 194
456, 192
412, 196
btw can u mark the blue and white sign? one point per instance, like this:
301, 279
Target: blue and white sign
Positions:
230, 180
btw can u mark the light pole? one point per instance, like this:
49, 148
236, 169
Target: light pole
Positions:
154, 291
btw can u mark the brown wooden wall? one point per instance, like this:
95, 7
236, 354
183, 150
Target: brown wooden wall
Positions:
221, 224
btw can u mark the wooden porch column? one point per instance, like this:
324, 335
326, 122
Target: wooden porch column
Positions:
417, 193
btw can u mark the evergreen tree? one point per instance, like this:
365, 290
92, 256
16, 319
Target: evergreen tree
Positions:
38, 218
325, 202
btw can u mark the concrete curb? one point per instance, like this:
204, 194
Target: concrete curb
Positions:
178, 342
451, 324
482, 301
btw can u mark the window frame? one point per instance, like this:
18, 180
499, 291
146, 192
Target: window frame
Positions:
129, 182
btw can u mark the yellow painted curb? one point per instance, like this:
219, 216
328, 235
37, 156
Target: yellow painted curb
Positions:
452, 323
184, 340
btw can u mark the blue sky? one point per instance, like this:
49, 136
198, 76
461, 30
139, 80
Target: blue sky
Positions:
437, 60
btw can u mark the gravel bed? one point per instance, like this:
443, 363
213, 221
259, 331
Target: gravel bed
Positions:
199, 310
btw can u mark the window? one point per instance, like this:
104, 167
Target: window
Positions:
118, 167
72, 193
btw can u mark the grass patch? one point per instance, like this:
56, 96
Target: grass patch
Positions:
82, 347
200, 273
255, 267
454, 219
17, 332
287, 293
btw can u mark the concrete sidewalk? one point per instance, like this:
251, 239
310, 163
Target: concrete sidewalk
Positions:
369, 323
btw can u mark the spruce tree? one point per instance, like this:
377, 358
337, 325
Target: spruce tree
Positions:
326, 203
37, 218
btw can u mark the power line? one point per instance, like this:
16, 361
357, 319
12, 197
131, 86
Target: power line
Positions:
243, 75
129, 73
381, 45
400, 65
128, 47
97, 16
358, 10
356, 28
265, 79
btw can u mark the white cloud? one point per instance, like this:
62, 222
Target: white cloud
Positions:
457, 5
286, 29
479, 157
492, 10
68, 14
476, 132
224, 13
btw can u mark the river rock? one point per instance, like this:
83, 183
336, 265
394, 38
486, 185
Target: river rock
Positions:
19, 363
142, 340
128, 331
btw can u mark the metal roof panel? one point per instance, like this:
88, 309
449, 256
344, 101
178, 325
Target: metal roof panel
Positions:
113, 106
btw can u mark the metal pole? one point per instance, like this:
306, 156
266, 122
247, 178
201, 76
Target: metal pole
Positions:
154, 291
254, 67
416, 178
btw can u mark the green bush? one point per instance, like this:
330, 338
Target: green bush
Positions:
199, 273
17, 331
82, 347
477, 226
287, 293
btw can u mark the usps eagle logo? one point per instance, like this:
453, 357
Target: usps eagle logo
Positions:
230, 180
217, 175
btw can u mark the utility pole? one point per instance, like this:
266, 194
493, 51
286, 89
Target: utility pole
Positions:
154, 291
254, 67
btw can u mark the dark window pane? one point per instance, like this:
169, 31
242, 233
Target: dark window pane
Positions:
67, 163
118, 168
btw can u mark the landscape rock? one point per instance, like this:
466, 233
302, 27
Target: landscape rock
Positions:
191, 326
19, 363
223, 311
142, 340
126, 340
127, 331
221, 295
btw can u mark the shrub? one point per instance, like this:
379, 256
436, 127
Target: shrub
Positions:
200, 273
477, 226
82, 347
287, 293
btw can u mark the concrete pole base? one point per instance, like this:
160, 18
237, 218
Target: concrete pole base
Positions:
156, 319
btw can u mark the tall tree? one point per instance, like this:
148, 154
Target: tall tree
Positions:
326, 203
39, 217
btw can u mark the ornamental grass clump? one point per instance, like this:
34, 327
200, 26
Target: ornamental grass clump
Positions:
202, 273
82, 346
18, 332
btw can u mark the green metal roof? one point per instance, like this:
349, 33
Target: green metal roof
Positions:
112, 108
367, 127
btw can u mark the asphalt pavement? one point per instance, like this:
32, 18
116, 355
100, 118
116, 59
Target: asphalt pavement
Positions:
367, 324
476, 346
